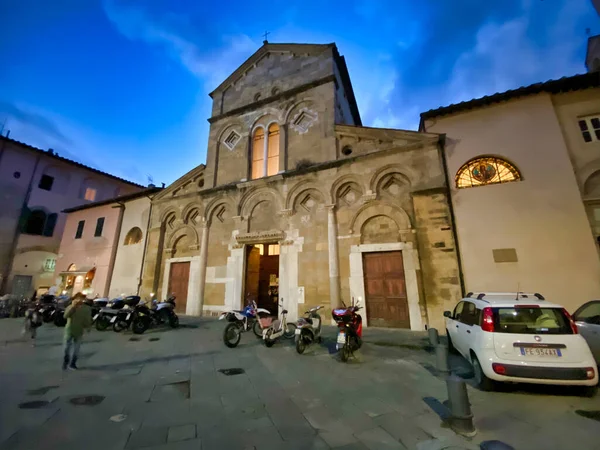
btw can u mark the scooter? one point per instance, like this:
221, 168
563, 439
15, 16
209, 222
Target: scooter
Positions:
309, 329
158, 314
241, 321
349, 322
279, 327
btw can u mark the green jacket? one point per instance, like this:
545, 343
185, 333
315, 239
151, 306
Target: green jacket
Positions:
77, 320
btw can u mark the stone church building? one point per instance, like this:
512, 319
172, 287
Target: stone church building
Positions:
299, 203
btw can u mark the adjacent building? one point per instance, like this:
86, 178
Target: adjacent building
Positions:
524, 177
35, 186
102, 247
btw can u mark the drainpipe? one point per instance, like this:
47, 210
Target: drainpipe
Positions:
442, 152
17, 232
145, 247
113, 256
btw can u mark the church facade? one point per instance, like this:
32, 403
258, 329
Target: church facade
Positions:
300, 205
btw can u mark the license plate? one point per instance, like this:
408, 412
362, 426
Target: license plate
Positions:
551, 352
128, 316
341, 339
113, 319
96, 316
298, 331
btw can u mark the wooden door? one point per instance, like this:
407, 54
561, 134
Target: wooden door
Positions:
178, 284
385, 289
252, 274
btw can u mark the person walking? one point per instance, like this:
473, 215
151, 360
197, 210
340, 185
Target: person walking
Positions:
33, 320
79, 318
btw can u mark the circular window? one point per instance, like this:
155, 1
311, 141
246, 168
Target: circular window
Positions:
17, 175
347, 150
201, 183
257, 97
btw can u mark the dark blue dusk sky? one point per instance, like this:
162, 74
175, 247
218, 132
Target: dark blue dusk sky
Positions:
122, 85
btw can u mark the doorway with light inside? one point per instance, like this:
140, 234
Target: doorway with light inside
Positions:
262, 275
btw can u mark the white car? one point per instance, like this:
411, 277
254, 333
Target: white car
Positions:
519, 337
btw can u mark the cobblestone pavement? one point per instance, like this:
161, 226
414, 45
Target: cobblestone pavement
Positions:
166, 390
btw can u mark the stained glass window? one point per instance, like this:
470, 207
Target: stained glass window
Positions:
486, 170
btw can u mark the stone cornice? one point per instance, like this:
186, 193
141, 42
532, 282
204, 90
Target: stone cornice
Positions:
260, 237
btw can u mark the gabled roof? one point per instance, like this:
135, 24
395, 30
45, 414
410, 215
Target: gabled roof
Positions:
120, 199
182, 180
299, 48
565, 84
51, 154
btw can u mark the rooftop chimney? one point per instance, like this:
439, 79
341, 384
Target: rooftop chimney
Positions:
51, 151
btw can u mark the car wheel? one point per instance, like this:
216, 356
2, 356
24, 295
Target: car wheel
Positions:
589, 391
451, 348
484, 383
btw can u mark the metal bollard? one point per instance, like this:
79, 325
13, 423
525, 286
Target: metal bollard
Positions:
461, 417
434, 338
441, 358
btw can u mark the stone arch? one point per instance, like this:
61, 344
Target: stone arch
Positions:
309, 101
591, 187
299, 189
170, 210
263, 216
215, 207
254, 196
269, 116
341, 185
191, 210
177, 234
384, 171
380, 208
379, 229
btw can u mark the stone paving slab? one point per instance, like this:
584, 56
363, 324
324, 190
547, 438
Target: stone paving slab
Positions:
281, 400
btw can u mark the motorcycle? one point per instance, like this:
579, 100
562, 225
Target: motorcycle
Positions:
47, 307
279, 327
59, 315
108, 314
241, 321
308, 329
349, 322
160, 314
124, 318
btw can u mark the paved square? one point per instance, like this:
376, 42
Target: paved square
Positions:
176, 393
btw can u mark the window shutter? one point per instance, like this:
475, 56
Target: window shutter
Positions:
50, 224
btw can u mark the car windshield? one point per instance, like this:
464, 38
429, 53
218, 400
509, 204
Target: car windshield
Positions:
524, 320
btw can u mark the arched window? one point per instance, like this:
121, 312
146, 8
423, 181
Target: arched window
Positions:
38, 223
258, 154
486, 170
273, 150
134, 236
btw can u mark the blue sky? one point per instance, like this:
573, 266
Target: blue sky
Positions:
122, 85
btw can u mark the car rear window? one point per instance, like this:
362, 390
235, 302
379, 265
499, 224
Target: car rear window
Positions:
531, 321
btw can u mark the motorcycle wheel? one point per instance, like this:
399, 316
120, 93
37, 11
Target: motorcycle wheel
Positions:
139, 326
232, 335
47, 317
300, 345
256, 329
174, 321
290, 331
102, 323
268, 341
119, 326
345, 353
60, 321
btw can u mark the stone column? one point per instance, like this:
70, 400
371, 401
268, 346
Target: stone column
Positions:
334, 270
282, 147
202, 268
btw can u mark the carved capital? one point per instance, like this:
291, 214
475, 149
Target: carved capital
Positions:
168, 252
369, 197
286, 213
237, 245
286, 242
194, 247
329, 207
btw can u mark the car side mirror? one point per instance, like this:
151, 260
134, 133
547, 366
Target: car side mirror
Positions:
447, 314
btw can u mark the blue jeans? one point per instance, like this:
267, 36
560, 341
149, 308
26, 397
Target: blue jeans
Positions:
70, 359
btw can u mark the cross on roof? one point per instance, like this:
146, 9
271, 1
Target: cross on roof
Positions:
267, 33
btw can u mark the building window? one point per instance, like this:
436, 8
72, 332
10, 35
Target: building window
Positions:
273, 249
99, 227
590, 128
134, 236
49, 265
265, 152
79, 231
486, 170
38, 223
232, 139
90, 194
46, 182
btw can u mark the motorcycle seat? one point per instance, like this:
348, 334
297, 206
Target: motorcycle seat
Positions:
309, 320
